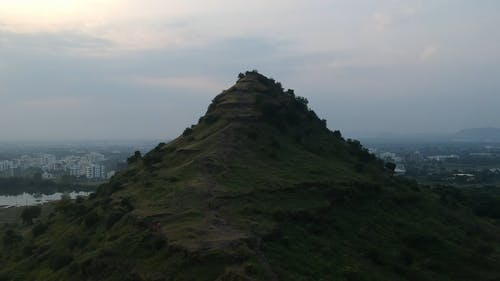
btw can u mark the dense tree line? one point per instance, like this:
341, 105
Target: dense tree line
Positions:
16, 186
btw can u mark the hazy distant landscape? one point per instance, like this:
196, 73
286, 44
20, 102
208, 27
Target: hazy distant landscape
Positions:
460, 158
167, 140
54, 167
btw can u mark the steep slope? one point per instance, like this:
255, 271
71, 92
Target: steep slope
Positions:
259, 189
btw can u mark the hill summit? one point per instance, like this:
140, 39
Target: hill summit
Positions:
259, 189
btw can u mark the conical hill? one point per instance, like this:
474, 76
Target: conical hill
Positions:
259, 189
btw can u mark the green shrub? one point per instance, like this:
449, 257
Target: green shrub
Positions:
134, 158
423, 241
28, 250
78, 209
106, 263
253, 135
390, 166
67, 207
323, 123
111, 187
275, 143
292, 116
187, 132
337, 134
210, 119
30, 213
406, 257
406, 197
251, 268
154, 241
359, 167
375, 256
11, 238
152, 158
91, 219
301, 103
76, 240
113, 218
39, 229
58, 261
64, 205
126, 204
4, 277
487, 207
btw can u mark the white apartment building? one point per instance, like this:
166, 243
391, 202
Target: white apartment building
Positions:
95, 172
5, 165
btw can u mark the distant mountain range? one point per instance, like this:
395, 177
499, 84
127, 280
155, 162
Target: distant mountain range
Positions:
489, 134
485, 134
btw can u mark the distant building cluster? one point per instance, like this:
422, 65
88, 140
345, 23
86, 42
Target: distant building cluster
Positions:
450, 164
393, 158
443, 157
88, 165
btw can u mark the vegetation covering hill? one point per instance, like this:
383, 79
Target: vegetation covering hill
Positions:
259, 189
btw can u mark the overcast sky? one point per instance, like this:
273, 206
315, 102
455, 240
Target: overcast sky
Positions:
114, 69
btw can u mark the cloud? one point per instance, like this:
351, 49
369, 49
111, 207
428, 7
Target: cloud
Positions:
125, 25
381, 21
103, 59
52, 42
204, 84
428, 52
54, 103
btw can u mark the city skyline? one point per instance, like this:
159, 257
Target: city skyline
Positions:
88, 165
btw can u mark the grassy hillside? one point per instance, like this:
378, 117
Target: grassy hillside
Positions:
259, 189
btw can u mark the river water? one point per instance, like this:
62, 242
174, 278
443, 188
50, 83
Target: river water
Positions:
27, 199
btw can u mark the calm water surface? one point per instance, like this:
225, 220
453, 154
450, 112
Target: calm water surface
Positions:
27, 199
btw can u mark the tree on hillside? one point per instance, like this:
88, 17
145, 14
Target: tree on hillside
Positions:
390, 166
30, 213
187, 132
337, 134
134, 158
11, 238
301, 102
